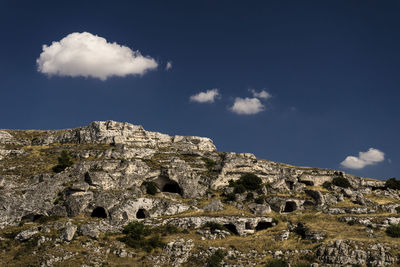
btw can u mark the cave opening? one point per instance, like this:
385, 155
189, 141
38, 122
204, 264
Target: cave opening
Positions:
290, 184
172, 187
141, 214
263, 225
290, 206
231, 228
248, 226
99, 212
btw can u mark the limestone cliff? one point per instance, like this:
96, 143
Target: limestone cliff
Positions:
106, 187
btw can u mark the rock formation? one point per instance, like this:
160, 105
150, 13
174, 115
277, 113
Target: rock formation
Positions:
122, 173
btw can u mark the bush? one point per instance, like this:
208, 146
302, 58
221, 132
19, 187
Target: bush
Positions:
260, 200
392, 183
231, 197
247, 182
239, 189
151, 188
276, 263
250, 196
327, 185
398, 209
393, 230
341, 182
135, 237
210, 164
216, 258
302, 264
64, 161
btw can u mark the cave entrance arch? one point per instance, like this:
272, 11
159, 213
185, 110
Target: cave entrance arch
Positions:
99, 212
167, 185
141, 214
231, 228
263, 225
290, 206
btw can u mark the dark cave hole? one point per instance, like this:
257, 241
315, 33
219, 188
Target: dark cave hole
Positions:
172, 187
306, 182
290, 206
99, 212
248, 226
141, 214
231, 228
290, 184
263, 225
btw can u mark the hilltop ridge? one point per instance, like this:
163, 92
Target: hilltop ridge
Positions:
120, 173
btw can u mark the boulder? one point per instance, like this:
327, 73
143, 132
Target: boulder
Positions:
214, 205
69, 232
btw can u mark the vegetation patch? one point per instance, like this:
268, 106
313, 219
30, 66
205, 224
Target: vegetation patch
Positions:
276, 263
151, 188
64, 161
392, 183
215, 259
341, 182
248, 182
393, 230
138, 236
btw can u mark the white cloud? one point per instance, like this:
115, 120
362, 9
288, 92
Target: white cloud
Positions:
205, 97
370, 157
168, 66
88, 55
247, 106
263, 94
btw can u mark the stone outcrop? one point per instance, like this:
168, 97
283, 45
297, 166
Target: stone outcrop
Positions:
122, 173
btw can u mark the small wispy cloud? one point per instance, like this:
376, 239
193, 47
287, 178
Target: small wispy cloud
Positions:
205, 97
262, 94
168, 66
247, 106
370, 157
88, 55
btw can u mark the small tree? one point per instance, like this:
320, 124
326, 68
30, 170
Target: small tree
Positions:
393, 230
64, 161
341, 182
151, 188
392, 183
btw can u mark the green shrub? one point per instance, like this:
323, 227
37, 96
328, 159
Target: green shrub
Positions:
341, 182
64, 161
239, 189
136, 237
276, 263
392, 183
302, 264
210, 164
393, 230
249, 196
260, 200
398, 209
247, 182
216, 258
231, 197
327, 185
151, 188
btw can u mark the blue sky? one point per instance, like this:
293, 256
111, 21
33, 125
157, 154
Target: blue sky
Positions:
330, 69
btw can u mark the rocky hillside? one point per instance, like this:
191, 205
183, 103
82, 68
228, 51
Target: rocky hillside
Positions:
114, 194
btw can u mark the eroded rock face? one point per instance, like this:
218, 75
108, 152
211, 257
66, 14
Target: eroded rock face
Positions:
343, 253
